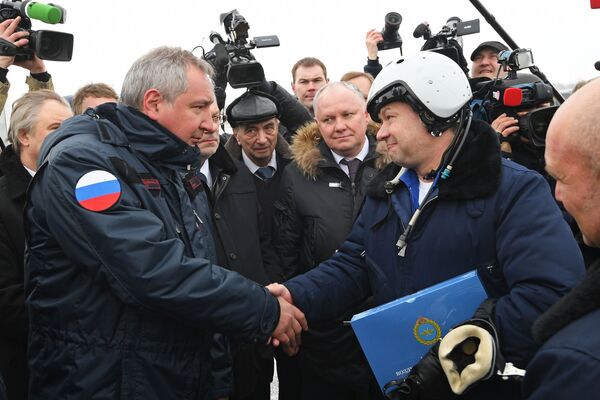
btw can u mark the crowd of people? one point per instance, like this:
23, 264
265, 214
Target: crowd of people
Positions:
146, 253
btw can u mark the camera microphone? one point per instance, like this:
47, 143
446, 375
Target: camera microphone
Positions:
513, 97
215, 38
48, 13
221, 56
597, 65
422, 30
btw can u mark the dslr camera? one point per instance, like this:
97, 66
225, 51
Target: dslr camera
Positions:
47, 45
391, 37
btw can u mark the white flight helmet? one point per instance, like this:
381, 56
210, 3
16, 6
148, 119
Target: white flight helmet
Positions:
432, 84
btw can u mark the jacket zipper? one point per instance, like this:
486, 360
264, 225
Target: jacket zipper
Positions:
199, 222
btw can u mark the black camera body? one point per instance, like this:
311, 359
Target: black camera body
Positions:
516, 93
509, 96
448, 41
45, 44
232, 60
391, 37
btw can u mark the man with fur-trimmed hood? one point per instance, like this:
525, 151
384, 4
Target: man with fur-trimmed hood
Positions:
334, 159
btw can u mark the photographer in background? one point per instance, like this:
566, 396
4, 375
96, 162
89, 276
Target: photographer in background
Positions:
485, 60
373, 66
39, 78
34, 116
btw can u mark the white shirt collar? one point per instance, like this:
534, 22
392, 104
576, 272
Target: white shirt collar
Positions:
361, 155
31, 172
253, 167
205, 169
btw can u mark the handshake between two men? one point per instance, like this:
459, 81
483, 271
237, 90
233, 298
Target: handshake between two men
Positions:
292, 322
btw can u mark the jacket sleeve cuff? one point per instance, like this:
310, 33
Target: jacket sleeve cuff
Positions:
270, 318
35, 84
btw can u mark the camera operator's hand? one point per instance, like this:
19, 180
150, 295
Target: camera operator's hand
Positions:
18, 38
35, 65
373, 37
505, 126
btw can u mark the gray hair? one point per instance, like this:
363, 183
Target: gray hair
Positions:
164, 69
25, 113
346, 85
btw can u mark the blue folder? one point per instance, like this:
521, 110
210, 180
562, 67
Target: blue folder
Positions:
395, 335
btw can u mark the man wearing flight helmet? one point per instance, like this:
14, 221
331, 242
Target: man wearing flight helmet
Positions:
447, 205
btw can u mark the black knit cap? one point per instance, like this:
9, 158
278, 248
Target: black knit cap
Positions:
252, 106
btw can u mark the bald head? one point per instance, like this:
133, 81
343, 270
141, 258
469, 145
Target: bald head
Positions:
572, 148
348, 88
576, 124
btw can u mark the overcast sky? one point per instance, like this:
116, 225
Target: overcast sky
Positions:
111, 34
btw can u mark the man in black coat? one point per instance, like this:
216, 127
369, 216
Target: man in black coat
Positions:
322, 191
34, 116
259, 146
242, 241
256, 111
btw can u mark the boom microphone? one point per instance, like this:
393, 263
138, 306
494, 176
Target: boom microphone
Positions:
48, 13
422, 30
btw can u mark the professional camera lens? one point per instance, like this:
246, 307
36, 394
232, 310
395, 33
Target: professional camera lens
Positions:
51, 45
392, 24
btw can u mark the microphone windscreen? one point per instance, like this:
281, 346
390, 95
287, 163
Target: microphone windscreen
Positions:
512, 97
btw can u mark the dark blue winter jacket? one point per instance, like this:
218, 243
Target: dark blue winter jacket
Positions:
567, 366
489, 212
122, 302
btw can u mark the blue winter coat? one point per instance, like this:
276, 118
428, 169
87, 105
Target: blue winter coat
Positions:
489, 212
122, 303
567, 366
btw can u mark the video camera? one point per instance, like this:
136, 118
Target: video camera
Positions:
518, 92
232, 60
47, 45
448, 41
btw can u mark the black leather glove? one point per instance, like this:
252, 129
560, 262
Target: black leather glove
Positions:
426, 380
468, 354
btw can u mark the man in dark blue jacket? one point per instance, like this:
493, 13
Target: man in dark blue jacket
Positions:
122, 293
568, 363
455, 205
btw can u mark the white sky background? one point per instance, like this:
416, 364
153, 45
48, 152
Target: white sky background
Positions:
111, 34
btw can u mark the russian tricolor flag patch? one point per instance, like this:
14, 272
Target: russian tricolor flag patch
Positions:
97, 190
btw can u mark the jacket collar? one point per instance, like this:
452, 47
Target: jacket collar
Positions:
150, 138
135, 130
16, 176
580, 301
476, 174
221, 162
310, 152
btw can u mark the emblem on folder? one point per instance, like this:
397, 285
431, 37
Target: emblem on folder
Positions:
427, 331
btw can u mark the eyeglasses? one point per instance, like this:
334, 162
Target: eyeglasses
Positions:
218, 119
